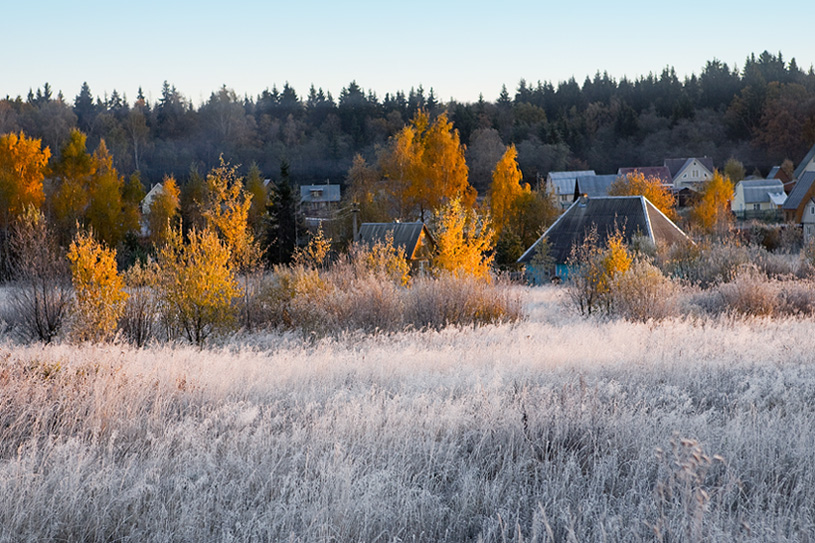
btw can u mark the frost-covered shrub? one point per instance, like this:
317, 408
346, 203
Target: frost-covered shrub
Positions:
643, 293
750, 293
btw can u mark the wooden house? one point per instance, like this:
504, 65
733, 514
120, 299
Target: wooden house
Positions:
412, 239
631, 215
802, 193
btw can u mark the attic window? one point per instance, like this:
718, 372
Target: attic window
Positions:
812, 210
316, 193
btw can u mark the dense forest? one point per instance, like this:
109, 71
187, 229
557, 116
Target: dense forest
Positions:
760, 114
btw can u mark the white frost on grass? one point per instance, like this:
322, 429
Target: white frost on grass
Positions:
543, 429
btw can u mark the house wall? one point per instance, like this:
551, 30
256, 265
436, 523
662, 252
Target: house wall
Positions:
808, 221
692, 176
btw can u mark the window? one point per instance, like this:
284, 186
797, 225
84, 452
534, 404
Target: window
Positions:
756, 207
812, 210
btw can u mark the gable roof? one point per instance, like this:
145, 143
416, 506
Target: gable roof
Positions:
319, 193
757, 191
595, 185
799, 171
799, 191
676, 165
663, 173
563, 182
773, 172
407, 236
633, 215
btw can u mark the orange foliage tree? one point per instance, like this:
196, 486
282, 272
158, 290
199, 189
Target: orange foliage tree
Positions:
425, 167
711, 213
636, 184
22, 170
506, 190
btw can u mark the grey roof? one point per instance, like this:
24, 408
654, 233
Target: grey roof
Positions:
663, 173
595, 185
799, 171
798, 192
406, 235
773, 172
633, 215
564, 181
676, 165
757, 191
319, 193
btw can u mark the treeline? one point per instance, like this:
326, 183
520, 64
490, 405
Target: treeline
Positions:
760, 114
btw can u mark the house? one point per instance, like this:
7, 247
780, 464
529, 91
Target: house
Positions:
689, 172
660, 172
318, 204
806, 165
593, 186
758, 198
319, 200
561, 185
632, 215
147, 201
802, 193
411, 238
777, 173
808, 221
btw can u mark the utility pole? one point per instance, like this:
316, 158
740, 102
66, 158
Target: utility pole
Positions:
354, 213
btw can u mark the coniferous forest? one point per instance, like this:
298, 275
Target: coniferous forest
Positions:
760, 113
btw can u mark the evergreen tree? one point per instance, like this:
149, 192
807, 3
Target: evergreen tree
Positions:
281, 230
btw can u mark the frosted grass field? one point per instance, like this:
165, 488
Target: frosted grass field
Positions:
554, 429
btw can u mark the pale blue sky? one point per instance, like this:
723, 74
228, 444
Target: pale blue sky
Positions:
460, 49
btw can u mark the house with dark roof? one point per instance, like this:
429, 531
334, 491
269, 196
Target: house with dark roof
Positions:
593, 186
689, 172
758, 198
561, 185
806, 165
802, 192
411, 239
631, 215
660, 172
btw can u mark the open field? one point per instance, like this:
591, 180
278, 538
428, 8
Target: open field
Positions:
557, 428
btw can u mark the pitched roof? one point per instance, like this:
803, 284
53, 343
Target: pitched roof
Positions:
406, 235
633, 215
799, 191
757, 191
799, 171
773, 172
676, 165
663, 173
319, 193
595, 185
564, 181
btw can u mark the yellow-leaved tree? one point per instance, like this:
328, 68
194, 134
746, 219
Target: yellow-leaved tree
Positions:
425, 167
636, 184
22, 170
163, 211
595, 269
711, 212
99, 295
226, 211
72, 173
105, 212
506, 190
197, 284
463, 242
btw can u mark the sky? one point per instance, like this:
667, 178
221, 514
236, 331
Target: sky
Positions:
459, 49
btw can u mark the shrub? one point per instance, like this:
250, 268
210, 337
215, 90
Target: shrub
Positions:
41, 290
750, 293
463, 242
99, 296
139, 320
589, 286
642, 293
197, 285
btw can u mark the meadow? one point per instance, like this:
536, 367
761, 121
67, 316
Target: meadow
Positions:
553, 428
